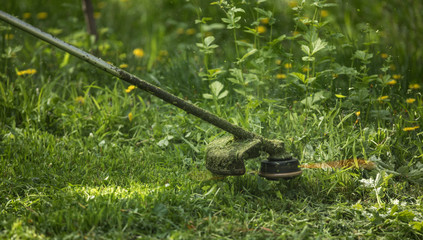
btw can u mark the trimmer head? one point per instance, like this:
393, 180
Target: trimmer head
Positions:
274, 169
225, 156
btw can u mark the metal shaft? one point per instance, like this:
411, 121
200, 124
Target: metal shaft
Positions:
132, 79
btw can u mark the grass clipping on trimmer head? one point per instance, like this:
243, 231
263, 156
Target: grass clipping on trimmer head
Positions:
226, 155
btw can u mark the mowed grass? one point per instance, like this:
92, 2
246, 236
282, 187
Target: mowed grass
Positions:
83, 155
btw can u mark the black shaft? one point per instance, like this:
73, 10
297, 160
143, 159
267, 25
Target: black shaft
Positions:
132, 79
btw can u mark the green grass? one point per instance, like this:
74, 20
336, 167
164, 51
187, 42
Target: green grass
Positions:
82, 158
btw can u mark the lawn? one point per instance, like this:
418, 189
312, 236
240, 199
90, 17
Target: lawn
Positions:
84, 155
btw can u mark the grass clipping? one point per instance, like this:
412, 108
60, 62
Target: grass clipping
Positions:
225, 156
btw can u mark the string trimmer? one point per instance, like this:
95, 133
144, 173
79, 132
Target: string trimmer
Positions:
224, 156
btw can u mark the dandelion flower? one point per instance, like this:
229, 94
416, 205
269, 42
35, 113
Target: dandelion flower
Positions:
130, 116
383, 98
190, 31
97, 15
9, 36
130, 88
357, 113
292, 4
392, 67
414, 86
280, 76
42, 15
80, 100
30, 71
324, 13
180, 31
396, 76
123, 65
410, 100
392, 82
101, 5
138, 52
407, 129
384, 55
264, 21
288, 65
261, 29
26, 15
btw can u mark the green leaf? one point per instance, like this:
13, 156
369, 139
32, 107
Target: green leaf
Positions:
251, 52
406, 216
207, 96
318, 45
308, 59
65, 60
298, 76
222, 95
216, 87
208, 40
306, 49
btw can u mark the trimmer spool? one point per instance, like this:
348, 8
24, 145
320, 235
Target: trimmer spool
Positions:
274, 168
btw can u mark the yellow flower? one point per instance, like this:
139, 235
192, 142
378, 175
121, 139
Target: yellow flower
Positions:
130, 88
27, 72
26, 15
383, 98
123, 65
42, 15
190, 31
97, 15
280, 76
305, 69
392, 82
180, 30
357, 113
288, 65
9, 36
414, 86
340, 96
406, 129
138, 52
324, 13
292, 4
384, 55
80, 100
130, 116
392, 67
410, 100
278, 62
261, 29
264, 21
101, 5
396, 76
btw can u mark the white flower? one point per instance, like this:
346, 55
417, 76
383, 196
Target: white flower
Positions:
368, 183
395, 201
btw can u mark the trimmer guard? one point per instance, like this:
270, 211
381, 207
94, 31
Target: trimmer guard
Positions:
225, 156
